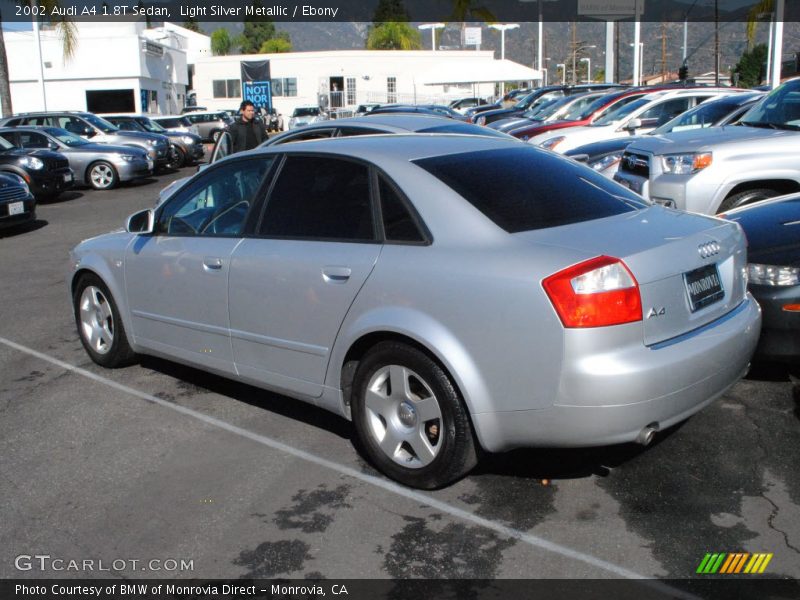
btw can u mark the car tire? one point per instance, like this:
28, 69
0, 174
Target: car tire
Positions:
215, 135
409, 418
177, 159
746, 197
99, 325
102, 175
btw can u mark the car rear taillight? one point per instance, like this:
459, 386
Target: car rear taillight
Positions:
598, 292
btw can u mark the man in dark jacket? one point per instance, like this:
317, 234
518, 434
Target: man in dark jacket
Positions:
246, 133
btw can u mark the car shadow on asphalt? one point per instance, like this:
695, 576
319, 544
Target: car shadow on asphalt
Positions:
62, 197
257, 397
23, 228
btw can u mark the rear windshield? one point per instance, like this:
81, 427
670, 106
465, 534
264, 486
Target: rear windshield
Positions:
524, 188
306, 112
465, 128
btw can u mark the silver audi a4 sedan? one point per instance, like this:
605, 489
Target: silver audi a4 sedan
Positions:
448, 294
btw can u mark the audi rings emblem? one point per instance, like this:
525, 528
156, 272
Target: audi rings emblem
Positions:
708, 249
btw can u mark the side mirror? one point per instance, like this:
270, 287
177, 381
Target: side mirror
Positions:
142, 222
633, 125
52, 146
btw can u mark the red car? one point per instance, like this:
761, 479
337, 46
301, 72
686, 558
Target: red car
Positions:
597, 108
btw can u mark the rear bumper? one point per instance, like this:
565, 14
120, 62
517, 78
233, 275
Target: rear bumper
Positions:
608, 397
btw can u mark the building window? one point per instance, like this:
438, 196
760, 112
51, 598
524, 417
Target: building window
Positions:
391, 89
227, 88
285, 86
351, 90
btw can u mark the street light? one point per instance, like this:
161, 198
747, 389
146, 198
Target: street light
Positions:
433, 27
575, 52
588, 68
502, 28
638, 69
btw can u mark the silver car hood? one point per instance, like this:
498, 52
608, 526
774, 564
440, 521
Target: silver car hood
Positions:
707, 139
104, 148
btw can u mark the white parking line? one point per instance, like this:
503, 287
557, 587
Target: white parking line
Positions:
383, 484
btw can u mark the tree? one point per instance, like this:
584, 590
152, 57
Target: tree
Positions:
393, 35
67, 31
750, 67
753, 17
464, 10
257, 30
389, 10
192, 25
220, 42
280, 43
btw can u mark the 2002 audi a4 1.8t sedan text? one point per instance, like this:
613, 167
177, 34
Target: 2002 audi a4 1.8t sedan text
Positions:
390, 280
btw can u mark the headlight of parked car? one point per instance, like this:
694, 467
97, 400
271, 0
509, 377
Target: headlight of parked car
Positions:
292, 121
481, 121
31, 162
773, 275
124, 157
607, 161
681, 164
187, 140
552, 142
152, 142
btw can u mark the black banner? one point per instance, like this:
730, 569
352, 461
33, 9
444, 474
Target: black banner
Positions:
731, 587
178, 11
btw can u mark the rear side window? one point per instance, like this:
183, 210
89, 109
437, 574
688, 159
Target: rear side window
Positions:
524, 188
398, 224
320, 198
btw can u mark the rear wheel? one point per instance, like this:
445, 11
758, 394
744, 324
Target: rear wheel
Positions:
100, 328
746, 197
410, 419
103, 176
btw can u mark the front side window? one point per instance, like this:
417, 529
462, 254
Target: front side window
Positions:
30, 139
320, 198
217, 203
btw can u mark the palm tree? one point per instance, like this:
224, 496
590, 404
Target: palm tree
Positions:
462, 9
393, 35
67, 31
754, 16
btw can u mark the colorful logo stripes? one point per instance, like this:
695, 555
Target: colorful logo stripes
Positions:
734, 562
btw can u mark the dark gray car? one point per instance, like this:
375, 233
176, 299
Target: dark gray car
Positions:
96, 129
187, 147
101, 166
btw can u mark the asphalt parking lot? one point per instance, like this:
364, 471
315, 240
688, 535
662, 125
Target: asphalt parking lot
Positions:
160, 462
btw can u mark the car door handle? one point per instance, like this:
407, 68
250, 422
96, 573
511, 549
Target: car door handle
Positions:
211, 263
333, 274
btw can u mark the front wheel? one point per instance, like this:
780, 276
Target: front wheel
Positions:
177, 159
215, 135
99, 325
410, 419
103, 176
746, 197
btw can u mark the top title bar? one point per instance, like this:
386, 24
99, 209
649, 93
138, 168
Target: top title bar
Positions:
482, 11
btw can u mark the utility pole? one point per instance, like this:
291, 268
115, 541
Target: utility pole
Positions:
716, 42
663, 52
574, 50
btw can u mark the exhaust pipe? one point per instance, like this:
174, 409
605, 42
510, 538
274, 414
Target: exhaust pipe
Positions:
647, 434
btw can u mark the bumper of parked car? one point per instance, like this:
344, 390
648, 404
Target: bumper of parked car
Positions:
50, 182
608, 396
780, 329
196, 151
17, 212
135, 169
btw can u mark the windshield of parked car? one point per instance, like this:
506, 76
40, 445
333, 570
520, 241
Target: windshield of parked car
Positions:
573, 109
530, 188
66, 138
620, 113
547, 108
149, 125
309, 111
101, 124
701, 116
780, 109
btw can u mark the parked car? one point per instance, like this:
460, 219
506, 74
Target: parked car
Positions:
101, 166
305, 115
98, 130
537, 97
45, 171
716, 169
635, 118
187, 148
363, 109
441, 310
773, 254
604, 157
422, 109
177, 124
17, 204
190, 109
462, 104
274, 120
210, 124
555, 109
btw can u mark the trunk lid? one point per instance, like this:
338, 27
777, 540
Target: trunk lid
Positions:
677, 258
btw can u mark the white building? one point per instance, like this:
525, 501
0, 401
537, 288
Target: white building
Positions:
117, 67
344, 78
